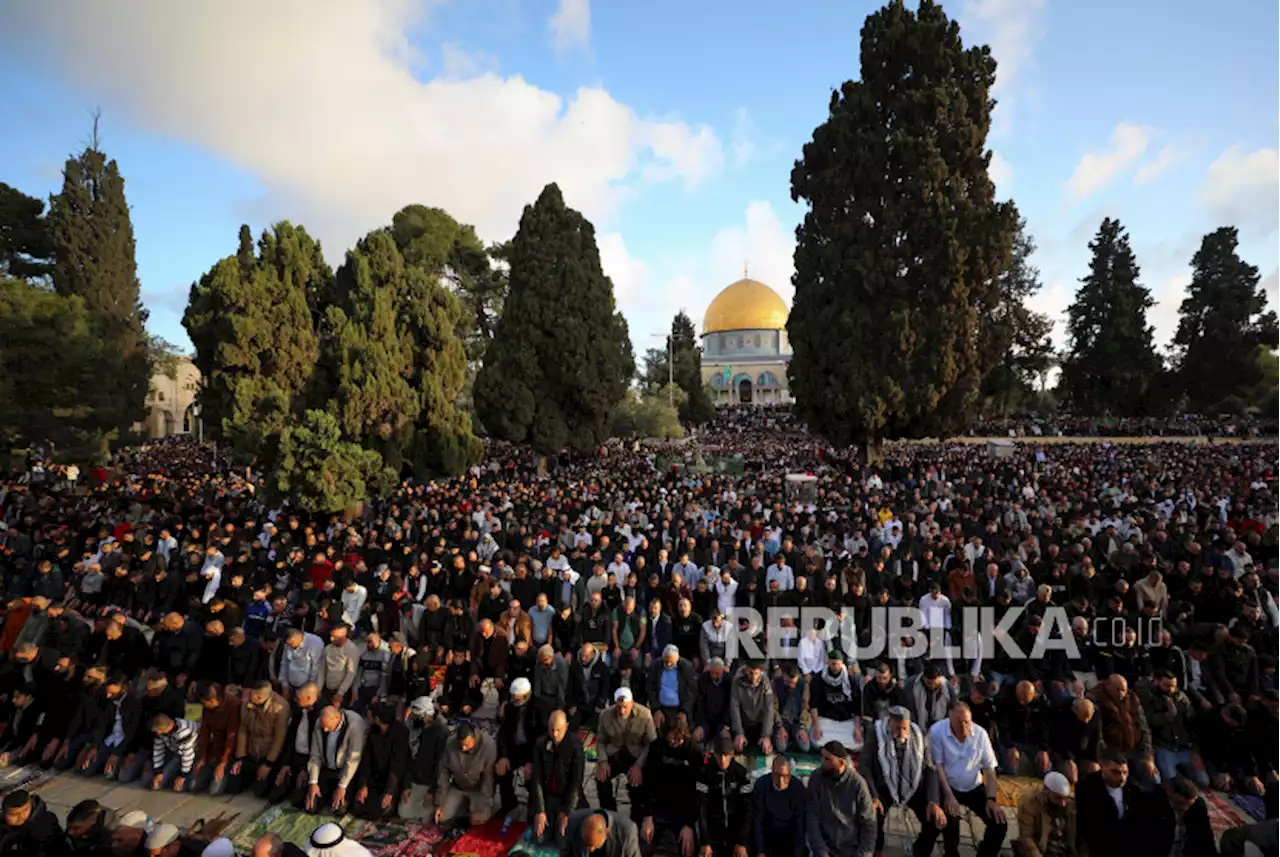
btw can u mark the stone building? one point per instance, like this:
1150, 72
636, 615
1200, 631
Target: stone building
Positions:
745, 350
171, 401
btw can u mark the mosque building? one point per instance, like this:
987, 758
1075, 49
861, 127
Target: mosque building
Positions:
745, 350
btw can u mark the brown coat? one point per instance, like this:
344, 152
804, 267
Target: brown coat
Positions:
218, 737
262, 728
495, 666
1033, 826
1123, 723
523, 623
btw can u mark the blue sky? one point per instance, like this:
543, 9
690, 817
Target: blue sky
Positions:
673, 125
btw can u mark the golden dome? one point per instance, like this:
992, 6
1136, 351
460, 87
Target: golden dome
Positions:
745, 305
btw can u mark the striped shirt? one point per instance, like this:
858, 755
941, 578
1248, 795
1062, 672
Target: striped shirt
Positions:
180, 742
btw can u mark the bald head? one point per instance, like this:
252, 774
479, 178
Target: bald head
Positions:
595, 830
268, 845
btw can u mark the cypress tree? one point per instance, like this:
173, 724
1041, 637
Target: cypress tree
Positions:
561, 357
94, 249
255, 347
1017, 336
1112, 366
319, 471
26, 247
898, 255
1222, 327
366, 368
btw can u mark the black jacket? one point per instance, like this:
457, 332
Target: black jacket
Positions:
512, 715
724, 804
384, 765
711, 707
177, 651
557, 775
425, 770
1073, 740
1106, 834
1199, 834
589, 686
669, 788
686, 686
41, 836
871, 770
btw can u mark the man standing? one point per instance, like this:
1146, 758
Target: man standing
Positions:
384, 765
965, 763
301, 661
337, 745
624, 734
1047, 821
555, 788
466, 777
751, 709
724, 803
899, 773
264, 727
338, 666
841, 818
779, 803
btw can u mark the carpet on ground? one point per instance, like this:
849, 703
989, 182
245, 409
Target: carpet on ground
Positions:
802, 764
486, 840
390, 838
27, 777
526, 846
1009, 790
289, 824
1222, 814
1252, 804
588, 740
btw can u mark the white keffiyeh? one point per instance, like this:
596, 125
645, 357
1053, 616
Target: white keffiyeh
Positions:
902, 781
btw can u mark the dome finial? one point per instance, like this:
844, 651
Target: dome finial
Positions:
744, 271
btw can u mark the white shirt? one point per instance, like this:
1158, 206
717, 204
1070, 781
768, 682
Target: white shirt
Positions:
962, 762
935, 612
1117, 795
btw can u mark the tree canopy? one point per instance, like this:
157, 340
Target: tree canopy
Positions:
249, 321
26, 246
561, 357
900, 252
1223, 324
682, 343
1111, 366
92, 238
1017, 336
320, 471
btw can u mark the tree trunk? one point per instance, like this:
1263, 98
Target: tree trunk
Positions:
541, 461
872, 452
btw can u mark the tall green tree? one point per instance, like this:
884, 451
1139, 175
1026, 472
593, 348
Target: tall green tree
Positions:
50, 359
1018, 336
1111, 366
26, 247
394, 363
431, 239
561, 357
256, 350
93, 245
682, 345
1223, 324
898, 257
320, 471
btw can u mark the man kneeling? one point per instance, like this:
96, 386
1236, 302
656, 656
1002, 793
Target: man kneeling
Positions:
466, 777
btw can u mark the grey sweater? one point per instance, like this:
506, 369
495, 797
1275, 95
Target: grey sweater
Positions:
338, 667
841, 819
467, 772
751, 706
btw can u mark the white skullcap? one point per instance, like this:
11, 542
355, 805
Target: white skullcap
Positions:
422, 707
219, 848
622, 694
160, 836
137, 819
1057, 783
521, 687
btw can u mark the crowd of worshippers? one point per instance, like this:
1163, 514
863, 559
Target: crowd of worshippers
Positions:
340, 662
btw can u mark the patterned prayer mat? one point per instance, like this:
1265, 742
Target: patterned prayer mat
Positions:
527, 846
289, 824
1223, 814
392, 838
588, 739
28, 777
486, 840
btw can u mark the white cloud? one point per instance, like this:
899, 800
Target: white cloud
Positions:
458, 63
1011, 28
1242, 189
1001, 173
319, 100
1166, 159
570, 26
1053, 299
628, 274
1271, 285
1097, 169
742, 142
1167, 297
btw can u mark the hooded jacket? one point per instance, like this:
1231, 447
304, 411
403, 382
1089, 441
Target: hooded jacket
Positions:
40, 836
467, 772
840, 817
589, 685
